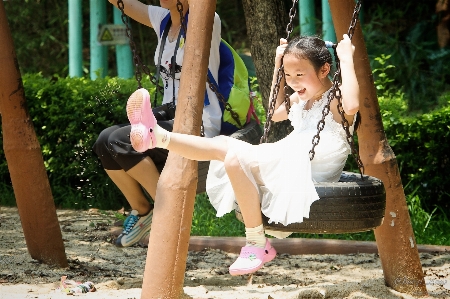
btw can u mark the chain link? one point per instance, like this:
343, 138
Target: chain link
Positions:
139, 66
336, 93
280, 75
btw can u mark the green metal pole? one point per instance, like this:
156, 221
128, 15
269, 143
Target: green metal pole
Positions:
99, 53
123, 53
75, 39
307, 17
327, 23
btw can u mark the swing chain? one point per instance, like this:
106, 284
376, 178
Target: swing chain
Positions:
292, 13
280, 75
226, 105
180, 9
139, 66
336, 93
271, 108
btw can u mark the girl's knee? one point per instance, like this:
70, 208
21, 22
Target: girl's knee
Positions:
231, 162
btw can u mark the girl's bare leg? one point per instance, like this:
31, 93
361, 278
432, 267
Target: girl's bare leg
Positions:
198, 148
217, 148
245, 192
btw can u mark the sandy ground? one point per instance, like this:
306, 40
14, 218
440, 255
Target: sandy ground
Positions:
117, 273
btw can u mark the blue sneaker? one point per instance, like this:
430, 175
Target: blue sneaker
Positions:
134, 228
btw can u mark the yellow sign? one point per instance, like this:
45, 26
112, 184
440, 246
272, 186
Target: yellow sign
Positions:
106, 36
112, 34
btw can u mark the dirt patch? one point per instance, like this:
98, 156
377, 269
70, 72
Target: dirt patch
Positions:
118, 273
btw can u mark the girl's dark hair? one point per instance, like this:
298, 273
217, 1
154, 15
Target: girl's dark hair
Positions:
311, 48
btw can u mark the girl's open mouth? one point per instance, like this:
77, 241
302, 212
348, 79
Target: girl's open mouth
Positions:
301, 91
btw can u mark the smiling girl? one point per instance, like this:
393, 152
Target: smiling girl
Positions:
278, 178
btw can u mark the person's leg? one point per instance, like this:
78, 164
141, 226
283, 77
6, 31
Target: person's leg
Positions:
246, 195
117, 156
258, 249
146, 174
131, 189
126, 184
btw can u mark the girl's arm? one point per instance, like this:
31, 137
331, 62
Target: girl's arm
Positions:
136, 10
280, 113
349, 87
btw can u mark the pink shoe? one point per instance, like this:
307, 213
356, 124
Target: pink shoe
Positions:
140, 115
252, 259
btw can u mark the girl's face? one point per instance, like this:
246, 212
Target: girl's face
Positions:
303, 78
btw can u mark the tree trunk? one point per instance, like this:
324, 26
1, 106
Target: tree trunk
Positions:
266, 22
175, 194
25, 163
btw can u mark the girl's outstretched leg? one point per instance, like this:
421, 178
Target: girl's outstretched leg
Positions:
146, 134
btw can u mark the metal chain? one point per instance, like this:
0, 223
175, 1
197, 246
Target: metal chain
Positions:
180, 10
226, 105
336, 93
139, 66
280, 75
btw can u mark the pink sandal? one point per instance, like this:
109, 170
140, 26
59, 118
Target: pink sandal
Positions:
252, 259
140, 115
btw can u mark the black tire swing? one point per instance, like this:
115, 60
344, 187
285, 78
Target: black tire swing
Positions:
354, 204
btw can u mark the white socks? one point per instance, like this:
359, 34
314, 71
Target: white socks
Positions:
162, 137
255, 236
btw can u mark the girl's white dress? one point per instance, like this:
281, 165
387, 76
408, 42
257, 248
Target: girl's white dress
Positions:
286, 176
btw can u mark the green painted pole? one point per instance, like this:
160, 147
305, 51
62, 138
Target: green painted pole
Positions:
328, 32
99, 63
124, 58
307, 17
75, 39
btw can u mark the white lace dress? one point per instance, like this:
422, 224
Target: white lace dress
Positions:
286, 176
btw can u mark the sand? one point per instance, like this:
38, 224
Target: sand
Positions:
118, 272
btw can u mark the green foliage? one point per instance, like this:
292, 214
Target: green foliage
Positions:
429, 228
422, 150
408, 32
68, 114
205, 222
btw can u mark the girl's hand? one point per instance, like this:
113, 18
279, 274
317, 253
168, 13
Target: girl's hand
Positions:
345, 49
279, 53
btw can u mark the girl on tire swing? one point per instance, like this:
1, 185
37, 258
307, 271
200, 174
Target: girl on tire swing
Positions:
275, 178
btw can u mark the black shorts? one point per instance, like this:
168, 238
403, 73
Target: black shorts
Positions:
113, 147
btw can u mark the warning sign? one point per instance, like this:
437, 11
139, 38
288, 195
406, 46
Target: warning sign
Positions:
112, 34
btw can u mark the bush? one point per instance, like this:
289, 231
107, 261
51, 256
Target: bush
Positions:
421, 147
68, 114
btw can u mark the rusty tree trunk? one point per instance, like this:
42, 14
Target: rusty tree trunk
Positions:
25, 163
175, 195
395, 238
